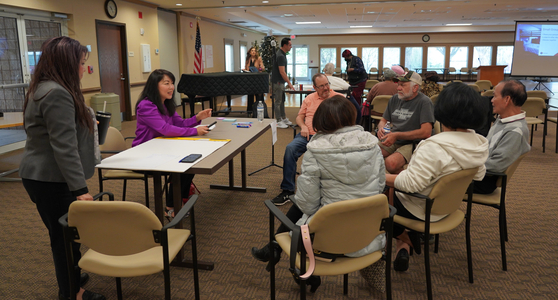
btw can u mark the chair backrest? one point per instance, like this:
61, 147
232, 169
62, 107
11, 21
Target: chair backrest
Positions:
451, 69
456, 80
114, 227
385, 69
511, 169
370, 83
380, 102
540, 94
350, 225
373, 70
114, 141
434, 98
338, 70
489, 93
474, 87
484, 84
448, 191
437, 127
474, 70
464, 70
534, 106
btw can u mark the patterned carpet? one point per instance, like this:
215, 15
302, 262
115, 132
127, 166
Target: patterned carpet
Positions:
230, 223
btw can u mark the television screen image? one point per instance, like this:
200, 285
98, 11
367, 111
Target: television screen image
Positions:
535, 49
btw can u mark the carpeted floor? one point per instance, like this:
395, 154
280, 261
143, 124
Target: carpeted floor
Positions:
230, 223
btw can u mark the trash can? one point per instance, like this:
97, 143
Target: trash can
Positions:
112, 106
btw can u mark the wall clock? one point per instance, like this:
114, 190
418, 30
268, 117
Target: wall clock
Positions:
110, 9
425, 38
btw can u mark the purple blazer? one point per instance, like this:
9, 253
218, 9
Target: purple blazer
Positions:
151, 124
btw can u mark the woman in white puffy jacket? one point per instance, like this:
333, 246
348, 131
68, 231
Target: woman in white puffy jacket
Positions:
342, 162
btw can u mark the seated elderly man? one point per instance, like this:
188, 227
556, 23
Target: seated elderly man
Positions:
411, 115
336, 83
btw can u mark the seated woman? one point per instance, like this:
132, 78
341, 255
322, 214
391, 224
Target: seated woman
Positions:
342, 162
458, 109
156, 116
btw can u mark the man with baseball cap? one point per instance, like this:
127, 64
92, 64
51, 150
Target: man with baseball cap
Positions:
356, 73
411, 115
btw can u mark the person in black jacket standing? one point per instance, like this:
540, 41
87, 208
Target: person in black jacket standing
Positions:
356, 73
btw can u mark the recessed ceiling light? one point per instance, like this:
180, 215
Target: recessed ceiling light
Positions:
306, 23
361, 26
288, 15
178, 4
463, 24
265, 1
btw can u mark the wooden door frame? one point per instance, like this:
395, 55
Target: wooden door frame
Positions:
124, 57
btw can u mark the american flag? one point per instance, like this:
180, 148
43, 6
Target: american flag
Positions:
198, 62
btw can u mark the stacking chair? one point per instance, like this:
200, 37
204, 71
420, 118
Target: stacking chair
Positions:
538, 93
115, 143
379, 104
452, 71
370, 83
374, 71
126, 239
337, 72
473, 72
484, 85
434, 98
488, 93
337, 228
475, 87
498, 200
534, 107
445, 198
463, 71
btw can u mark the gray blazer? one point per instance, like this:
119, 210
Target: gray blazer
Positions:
57, 149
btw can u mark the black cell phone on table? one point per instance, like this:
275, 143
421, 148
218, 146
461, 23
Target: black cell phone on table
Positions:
209, 126
191, 158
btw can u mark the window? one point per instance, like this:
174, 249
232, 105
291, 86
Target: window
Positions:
229, 55
504, 57
436, 58
370, 57
459, 57
413, 58
392, 56
482, 56
243, 49
299, 56
20, 34
328, 55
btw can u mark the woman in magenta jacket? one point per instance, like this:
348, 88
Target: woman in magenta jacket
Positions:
156, 116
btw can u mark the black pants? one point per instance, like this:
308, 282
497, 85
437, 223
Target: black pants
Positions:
486, 186
185, 182
294, 214
403, 212
53, 200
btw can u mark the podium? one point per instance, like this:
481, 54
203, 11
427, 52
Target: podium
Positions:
493, 73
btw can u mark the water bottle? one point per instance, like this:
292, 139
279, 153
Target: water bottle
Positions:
387, 128
260, 111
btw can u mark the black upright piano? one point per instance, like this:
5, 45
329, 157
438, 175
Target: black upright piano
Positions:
222, 84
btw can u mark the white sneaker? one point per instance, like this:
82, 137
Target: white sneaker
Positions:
281, 124
286, 121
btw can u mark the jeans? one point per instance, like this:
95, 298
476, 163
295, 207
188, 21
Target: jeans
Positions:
53, 200
279, 101
294, 150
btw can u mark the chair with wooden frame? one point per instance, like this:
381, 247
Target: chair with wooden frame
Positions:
337, 228
444, 199
497, 199
126, 239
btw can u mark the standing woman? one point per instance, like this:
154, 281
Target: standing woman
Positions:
60, 152
156, 116
254, 63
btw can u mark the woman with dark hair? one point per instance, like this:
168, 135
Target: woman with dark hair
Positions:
253, 63
459, 108
342, 162
156, 116
61, 150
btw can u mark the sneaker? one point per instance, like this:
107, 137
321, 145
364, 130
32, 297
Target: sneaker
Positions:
282, 198
282, 125
286, 121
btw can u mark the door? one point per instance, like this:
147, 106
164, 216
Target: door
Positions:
297, 63
113, 66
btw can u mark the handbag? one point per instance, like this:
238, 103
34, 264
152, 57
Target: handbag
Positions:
375, 275
193, 190
365, 109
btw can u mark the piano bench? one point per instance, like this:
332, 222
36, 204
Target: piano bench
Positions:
193, 102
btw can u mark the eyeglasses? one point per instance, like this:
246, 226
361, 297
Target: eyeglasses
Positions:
323, 86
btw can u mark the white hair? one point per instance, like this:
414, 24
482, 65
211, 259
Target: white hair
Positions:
329, 68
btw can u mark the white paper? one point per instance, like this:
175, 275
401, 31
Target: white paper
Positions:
273, 132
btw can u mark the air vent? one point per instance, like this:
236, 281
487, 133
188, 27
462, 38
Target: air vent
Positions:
237, 22
417, 20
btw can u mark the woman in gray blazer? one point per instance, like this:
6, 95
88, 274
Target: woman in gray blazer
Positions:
60, 152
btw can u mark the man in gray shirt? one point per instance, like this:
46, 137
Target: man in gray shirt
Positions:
278, 79
411, 116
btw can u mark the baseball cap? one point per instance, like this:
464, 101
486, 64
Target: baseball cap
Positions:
411, 76
346, 53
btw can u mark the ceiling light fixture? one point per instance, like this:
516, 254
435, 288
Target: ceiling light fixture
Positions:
361, 26
178, 4
463, 24
265, 1
306, 23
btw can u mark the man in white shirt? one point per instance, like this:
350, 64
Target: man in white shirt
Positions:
336, 83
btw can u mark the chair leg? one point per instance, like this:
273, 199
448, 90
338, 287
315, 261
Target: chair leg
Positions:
100, 172
503, 238
146, 186
124, 190
345, 284
302, 289
166, 275
532, 126
544, 138
194, 254
469, 251
427, 265
436, 242
119, 287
